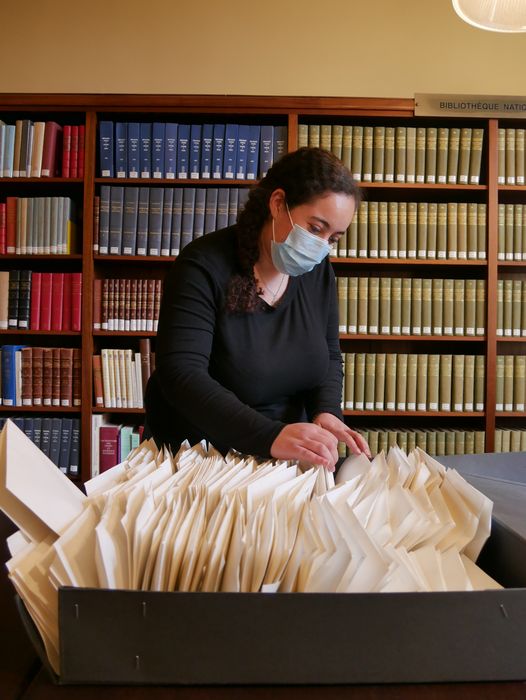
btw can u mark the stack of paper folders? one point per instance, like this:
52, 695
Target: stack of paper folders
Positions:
199, 522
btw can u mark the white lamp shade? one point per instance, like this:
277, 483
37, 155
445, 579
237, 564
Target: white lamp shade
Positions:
493, 15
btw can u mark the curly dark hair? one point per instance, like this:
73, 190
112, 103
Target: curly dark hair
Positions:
303, 175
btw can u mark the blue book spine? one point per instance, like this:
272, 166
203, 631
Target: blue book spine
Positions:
243, 196
232, 205
134, 143
121, 149
211, 210
146, 150
183, 143
2, 147
65, 445
253, 152
280, 142
54, 446
177, 218
222, 208
104, 219
106, 149
266, 149
229, 158
187, 227
242, 151
45, 440
170, 151
129, 224
9, 152
19, 422
116, 212
155, 220
199, 216
9, 373
217, 153
74, 453
158, 135
37, 431
195, 151
142, 220
29, 428
167, 220
207, 142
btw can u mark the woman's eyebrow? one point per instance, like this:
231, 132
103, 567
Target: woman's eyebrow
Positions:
322, 221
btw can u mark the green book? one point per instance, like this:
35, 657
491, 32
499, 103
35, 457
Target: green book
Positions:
480, 442
383, 230
349, 381
501, 154
433, 370
517, 231
396, 305
441, 244
437, 319
405, 318
341, 246
475, 158
515, 441
498, 440
464, 156
393, 229
519, 156
519, 383
457, 383
303, 135
379, 382
442, 151
506, 440
452, 230
421, 383
378, 153
390, 381
337, 140
402, 229
363, 227
411, 379
516, 308
400, 154
432, 221
343, 302
352, 305
508, 296
510, 157
481, 231
470, 306
431, 442
374, 304
401, 382
370, 374
363, 295
420, 164
426, 306
352, 235
412, 226
470, 442
314, 136
410, 154
448, 308
441, 443
500, 308
416, 306
460, 442
508, 382
422, 242
367, 162
401, 438
480, 310
385, 305
501, 232
431, 154
472, 231
373, 229
462, 231
359, 381
452, 155
523, 312
347, 146
509, 220
459, 307
325, 137
411, 441
499, 383
389, 155
357, 152
373, 441
446, 362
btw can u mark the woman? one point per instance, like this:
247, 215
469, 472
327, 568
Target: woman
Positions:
247, 352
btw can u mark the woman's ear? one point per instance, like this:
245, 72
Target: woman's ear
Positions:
276, 202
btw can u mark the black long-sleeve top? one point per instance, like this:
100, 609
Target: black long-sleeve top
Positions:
235, 379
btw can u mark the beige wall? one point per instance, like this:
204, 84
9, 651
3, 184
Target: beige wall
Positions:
389, 48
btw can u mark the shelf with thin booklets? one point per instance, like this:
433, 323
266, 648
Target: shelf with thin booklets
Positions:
39, 409
131, 334
22, 332
402, 414
100, 409
174, 181
399, 336
415, 262
98, 257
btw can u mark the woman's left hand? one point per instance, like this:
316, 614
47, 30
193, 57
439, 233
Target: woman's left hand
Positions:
356, 442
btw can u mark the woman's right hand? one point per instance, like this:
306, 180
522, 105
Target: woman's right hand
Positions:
306, 442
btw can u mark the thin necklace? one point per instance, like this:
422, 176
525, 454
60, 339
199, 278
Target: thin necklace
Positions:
278, 290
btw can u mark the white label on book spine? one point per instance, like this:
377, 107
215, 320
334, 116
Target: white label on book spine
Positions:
411, 253
463, 179
510, 180
343, 329
103, 250
359, 405
437, 330
472, 255
422, 253
105, 173
448, 330
411, 406
499, 407
65, 403
516, 332
499, 331
442, 179
420, 178
55, 402
367, 177
517, 256
445, 407
362, 253
352, 252
395, 330
369, 406
134, 174
480, 331
373, 329
441, 254
508, 407
385, 329
520, 407
402, 254
509, 256
433, 406
459, 330
362, 329
507, 332
122, 174
383, 253
400, 406
426, 330
400, 178
406, 330
349, 405
114, 250
379, 406
479, 407
27, 402
462, 255
127, 251
393, 253
501, 180
373, 253
458, 407
468, 407
141, 251
390, 406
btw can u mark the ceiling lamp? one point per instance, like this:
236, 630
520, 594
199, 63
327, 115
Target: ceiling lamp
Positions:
493, 15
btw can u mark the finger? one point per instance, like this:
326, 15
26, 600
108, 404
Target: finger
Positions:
329, 456
361, 442
312, 457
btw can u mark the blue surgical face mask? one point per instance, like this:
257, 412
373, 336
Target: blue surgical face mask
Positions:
299, 252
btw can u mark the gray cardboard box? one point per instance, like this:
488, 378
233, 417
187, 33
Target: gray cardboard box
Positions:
134, 637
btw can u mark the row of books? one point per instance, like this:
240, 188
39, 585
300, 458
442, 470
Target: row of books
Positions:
37, 226
120, 376
161, 221
434, 442
417, 230
411, 306
37, 376
111, 443
41, 149
510, 440
126, 304
58, 438
512, 232
45, 301
510, 385
413, 382
401, 154
511, 157
511, 308
180, 151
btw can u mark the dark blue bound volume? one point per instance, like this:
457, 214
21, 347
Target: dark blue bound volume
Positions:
199, 209
207, 142
222, 208
116, 212
195, 151
280, 142
146, 149
45, 440
243, 196
37, 431
9, 373
104, 219
134, 142
166, 232
155, 220
170, 151
177, 218
211, 210
253, 152
65, 445
217, 153
142, 220
54, 444
183, 143
74, 453
106, 149
13, 298
129, 222
29, 428
229, 159
242, 151
121, 149
187, 227
158, 135
232, 205
266, 150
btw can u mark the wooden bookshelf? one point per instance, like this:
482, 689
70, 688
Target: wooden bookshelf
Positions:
290, 111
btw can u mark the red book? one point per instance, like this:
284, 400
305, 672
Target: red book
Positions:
47, 376
66, 303
81, 151
57, 298
11, 205
34, 314
97, 304
66, 151
108, 446
55, 376
45, 302
50, 150
77, 379
3, 229
74, 159
98, 393
66, 377
76, 301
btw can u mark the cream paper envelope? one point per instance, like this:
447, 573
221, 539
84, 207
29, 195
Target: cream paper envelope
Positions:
152, 552
233, 484
351, 467
398, 461
481, 507
134, 501
466, 523
145, 525
433, 464
289, 579
219, 551
75, 549
443, 514
166, 552
193, 547
189, 531
479, 579
264, 487
106, 480
17, 543
429, 561
246, 566
231, 581
57, 574
281, 546
264, 545
340, 493
454, 571
208, 540
111, 554
400, 555
34, 494
398, 580
329, 572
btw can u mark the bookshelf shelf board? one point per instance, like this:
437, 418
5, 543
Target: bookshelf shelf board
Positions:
21, 331
378, 336
510, 414
511, 263
511, 188
99, 409
134, 258
45, 180
131, 334
174, 182
41, 256
40, 409
512, 339
409, 261
420, 186
401, 414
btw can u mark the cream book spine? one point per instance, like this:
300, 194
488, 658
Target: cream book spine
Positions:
445, 382
370, 374
470, 306
499, 383
433, 367
379, 382
401, 382
421, 383
457, 383
352, 305
363, 295
373, 313
412, 365
396, 305
480, 379
378, 153
437, 291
